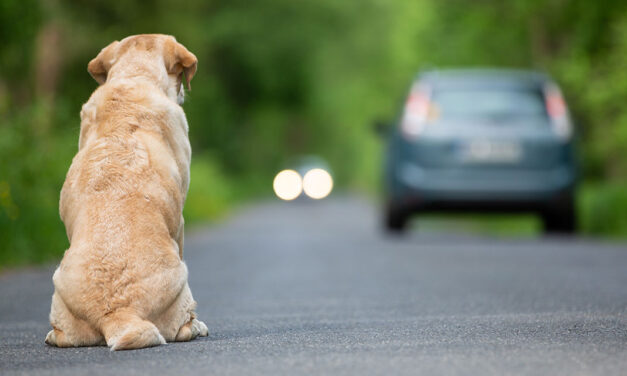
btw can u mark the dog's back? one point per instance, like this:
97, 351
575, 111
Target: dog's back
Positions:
122, 277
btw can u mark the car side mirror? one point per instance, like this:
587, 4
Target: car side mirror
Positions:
381, 127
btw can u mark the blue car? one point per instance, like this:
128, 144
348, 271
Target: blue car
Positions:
482, 140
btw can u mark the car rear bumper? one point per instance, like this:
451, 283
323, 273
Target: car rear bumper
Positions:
485, 189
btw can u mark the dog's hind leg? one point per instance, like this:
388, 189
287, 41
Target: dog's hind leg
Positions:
192, 329
178, 322
69, 331
125, 330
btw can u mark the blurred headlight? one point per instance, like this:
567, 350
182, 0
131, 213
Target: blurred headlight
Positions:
317, 183
287, 185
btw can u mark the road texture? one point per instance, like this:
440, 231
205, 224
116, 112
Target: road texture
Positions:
314, 288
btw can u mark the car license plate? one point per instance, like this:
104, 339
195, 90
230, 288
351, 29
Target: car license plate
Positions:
489, 151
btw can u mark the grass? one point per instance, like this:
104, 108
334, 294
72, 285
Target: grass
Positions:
498, 225
602, 209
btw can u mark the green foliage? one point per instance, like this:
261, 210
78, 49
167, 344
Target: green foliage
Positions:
19, 21
280, 78
493, 225
209, 191
602, 208
32, 166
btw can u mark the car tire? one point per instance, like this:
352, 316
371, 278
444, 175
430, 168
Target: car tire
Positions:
395, 219
561, 216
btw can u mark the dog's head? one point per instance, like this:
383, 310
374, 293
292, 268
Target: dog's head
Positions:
156, 56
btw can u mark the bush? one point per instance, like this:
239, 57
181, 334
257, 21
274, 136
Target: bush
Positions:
33, 165
602, 209
209, 192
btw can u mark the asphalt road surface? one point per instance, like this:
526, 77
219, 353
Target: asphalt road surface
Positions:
314, 288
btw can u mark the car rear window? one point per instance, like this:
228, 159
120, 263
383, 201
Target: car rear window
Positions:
455, 103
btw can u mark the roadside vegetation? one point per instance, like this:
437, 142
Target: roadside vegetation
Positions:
279, 78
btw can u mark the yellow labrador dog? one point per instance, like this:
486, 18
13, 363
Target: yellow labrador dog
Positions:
123, 281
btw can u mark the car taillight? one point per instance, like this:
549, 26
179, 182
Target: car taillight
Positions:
557, 111
415, 112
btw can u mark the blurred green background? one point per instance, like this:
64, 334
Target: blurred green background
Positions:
279, 78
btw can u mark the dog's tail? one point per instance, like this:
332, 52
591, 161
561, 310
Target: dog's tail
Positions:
127, 331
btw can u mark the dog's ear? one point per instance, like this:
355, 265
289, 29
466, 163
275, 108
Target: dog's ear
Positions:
100, 65
178, 60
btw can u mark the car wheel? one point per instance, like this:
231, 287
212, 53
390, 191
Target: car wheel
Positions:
561, 217
396, 218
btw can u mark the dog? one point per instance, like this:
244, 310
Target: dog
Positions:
122, 282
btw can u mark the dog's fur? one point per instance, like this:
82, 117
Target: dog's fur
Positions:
122, 282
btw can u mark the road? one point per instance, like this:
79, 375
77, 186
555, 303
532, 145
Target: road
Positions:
314, 288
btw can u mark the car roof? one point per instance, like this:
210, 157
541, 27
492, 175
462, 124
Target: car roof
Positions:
483, 77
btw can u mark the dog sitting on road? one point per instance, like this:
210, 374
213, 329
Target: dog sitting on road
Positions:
123, 282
